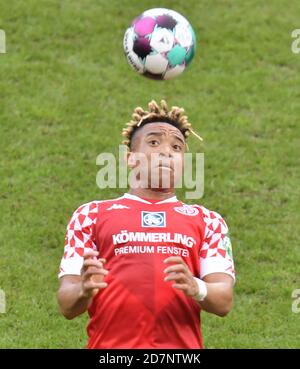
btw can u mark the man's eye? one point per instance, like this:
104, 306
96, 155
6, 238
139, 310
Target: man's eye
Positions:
177, 147
153, 142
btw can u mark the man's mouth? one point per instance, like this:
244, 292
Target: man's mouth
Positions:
166, 166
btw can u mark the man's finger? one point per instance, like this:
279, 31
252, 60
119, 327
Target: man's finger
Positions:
176, 268
174, 259
176, 277
102, 260
90, 285
92, 271
92, 262
89, 253
183, 287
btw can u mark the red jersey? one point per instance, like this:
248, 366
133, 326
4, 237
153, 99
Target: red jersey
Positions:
139, 309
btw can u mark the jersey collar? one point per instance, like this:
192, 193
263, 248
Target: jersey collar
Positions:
137, 198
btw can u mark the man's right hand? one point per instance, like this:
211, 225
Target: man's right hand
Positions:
92, 274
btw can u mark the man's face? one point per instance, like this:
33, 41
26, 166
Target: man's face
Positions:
162, 146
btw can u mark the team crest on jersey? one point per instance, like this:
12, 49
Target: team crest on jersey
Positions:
153, 219
187, 210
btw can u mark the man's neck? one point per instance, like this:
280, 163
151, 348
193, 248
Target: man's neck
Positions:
155, 194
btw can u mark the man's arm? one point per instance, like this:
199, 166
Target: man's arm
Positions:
76, 293
219, 299
219, 286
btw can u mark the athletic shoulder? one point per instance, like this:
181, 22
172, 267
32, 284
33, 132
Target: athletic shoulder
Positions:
92, 207
212, 219
216, 250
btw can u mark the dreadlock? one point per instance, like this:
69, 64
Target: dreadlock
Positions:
158, 113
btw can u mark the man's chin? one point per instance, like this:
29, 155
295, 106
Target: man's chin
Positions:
162, 190
162, 183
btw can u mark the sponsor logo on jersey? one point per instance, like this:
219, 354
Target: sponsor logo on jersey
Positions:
126, 236
153, 219
187, 210
117, 206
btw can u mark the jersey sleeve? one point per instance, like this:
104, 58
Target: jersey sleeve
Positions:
216, 251
79, 236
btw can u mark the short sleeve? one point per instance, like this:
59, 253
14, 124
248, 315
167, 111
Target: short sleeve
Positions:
216, 251
79, 236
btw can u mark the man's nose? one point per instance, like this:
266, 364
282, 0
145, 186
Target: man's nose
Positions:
166, 152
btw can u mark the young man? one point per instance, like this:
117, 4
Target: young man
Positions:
144, 265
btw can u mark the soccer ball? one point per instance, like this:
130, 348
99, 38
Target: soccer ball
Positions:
160, 43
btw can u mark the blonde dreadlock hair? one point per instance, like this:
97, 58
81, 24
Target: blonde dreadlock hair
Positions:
158, 113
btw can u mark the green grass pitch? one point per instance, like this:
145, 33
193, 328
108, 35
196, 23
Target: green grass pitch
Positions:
66, 91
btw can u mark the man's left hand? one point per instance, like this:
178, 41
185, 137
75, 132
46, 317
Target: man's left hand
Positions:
181, 274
